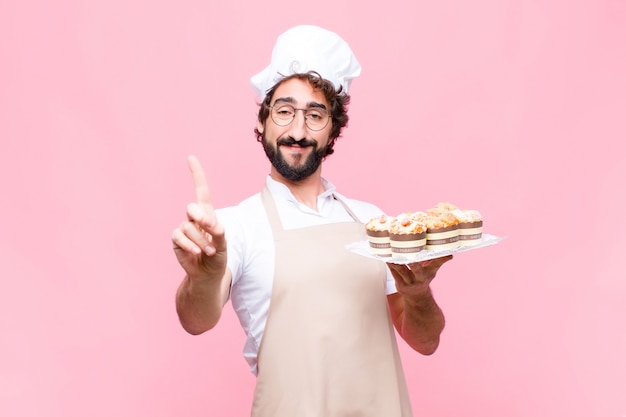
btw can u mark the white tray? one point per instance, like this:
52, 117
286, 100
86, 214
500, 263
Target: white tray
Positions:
363, 248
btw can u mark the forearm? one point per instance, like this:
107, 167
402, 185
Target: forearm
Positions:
421, 322
415, 314
199, 303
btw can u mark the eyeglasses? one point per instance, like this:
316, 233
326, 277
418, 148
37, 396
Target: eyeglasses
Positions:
316, 118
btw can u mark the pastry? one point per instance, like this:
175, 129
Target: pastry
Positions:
377, 230
407, 235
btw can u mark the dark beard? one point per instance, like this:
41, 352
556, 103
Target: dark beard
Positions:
300, 171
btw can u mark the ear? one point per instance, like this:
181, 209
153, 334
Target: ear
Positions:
260, 127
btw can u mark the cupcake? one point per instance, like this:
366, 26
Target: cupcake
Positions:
445, 206
442, 230
377, 230
407, 235
470, 227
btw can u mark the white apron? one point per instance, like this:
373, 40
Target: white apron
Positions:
329, 348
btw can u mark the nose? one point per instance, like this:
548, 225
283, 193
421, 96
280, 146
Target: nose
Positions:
298, 125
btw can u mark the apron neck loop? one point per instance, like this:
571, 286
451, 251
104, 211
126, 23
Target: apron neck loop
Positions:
272, 211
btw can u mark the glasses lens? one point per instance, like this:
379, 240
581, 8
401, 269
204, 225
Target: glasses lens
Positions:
283, 114
316, 119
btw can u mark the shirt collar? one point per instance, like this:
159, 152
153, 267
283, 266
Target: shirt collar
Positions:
281, 190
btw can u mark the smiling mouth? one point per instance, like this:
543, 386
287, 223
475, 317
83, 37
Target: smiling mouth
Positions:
292, 143
297, 146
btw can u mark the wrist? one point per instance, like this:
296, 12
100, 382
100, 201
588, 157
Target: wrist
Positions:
197, 279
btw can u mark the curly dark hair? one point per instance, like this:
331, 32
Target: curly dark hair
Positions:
337, 99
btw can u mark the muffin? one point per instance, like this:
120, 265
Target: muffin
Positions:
377, 230
407, 235
445, 206
470, 227
442, 230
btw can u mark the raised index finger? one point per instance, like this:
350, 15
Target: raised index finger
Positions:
199, 181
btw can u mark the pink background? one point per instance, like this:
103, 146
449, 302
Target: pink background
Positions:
516, 108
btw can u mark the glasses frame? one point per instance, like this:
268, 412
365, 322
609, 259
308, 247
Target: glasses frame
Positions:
304, 110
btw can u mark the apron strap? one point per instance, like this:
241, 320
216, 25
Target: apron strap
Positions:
271, 210
350, 212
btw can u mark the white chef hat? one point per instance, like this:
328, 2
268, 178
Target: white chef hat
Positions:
308, 48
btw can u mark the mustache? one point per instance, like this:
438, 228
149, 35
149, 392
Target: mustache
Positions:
303, 143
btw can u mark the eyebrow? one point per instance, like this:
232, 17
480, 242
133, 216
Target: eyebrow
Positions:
291, 100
